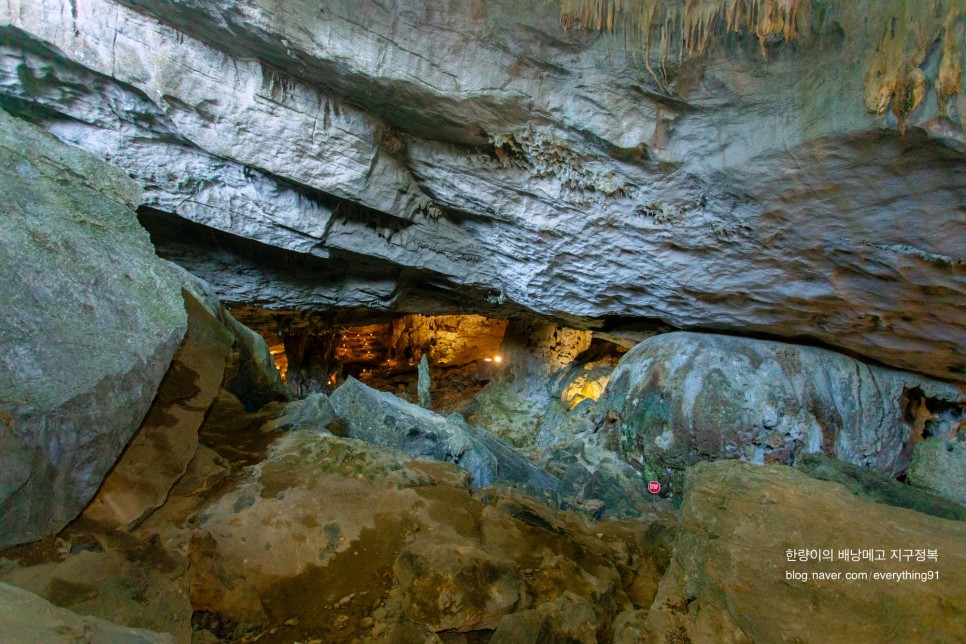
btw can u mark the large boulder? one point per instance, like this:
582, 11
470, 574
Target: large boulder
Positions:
217, 351
25, 617
736, 571
90, 321
679, 398
333, 539
383, 419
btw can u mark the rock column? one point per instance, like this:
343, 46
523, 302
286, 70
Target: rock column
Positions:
423, 384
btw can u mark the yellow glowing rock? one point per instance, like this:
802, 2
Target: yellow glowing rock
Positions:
949, 82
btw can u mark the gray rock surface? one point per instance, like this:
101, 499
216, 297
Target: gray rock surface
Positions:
679, 398
383, 419
251, 374
30, 619
940, 467
423, 384
314, 412
90, 320
480, 156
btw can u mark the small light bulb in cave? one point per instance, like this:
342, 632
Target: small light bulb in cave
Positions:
498, 359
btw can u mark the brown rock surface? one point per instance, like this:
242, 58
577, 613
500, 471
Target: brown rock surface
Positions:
159, 453
27, 618
296, 550
728, 580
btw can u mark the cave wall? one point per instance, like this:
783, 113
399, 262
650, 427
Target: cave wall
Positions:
447, 340
484, 156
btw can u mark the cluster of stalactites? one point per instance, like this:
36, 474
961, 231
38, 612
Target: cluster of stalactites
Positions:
689, 23
895, 75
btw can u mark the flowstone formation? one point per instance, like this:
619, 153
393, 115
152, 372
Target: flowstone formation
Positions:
680, 398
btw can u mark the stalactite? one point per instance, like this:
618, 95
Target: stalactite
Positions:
949, 82
894, 75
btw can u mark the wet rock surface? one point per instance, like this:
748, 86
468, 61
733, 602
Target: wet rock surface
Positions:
217, 357
167, 440
282, 532
76, 263
424, 555
330, 167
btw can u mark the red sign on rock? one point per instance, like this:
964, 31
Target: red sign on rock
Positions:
653, 487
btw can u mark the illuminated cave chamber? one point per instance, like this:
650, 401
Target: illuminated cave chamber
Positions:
465, 353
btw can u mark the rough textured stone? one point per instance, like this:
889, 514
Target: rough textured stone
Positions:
383, 419
423, 385
166, 442
568, 619
456, 588
679, 398
480, 156
878, 488
90, 321
251, 374
313, 412
524, 404
333, 539
940, 466
728, 577
447, 340
27, 618
254, 379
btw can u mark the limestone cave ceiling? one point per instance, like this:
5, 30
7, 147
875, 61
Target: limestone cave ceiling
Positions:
794, 169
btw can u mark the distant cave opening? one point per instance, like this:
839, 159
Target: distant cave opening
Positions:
312, 356
465, 352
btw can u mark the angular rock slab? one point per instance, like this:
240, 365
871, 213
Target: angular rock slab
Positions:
728, 576
679, 398
28, 618
383, 419
166, 442
90, 319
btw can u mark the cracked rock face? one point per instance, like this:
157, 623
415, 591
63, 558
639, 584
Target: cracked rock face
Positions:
71, 394
479, 157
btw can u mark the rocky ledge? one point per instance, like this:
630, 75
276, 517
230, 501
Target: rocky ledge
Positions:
417, 158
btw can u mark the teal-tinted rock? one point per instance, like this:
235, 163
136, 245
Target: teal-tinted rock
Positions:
89, 320
677, 399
